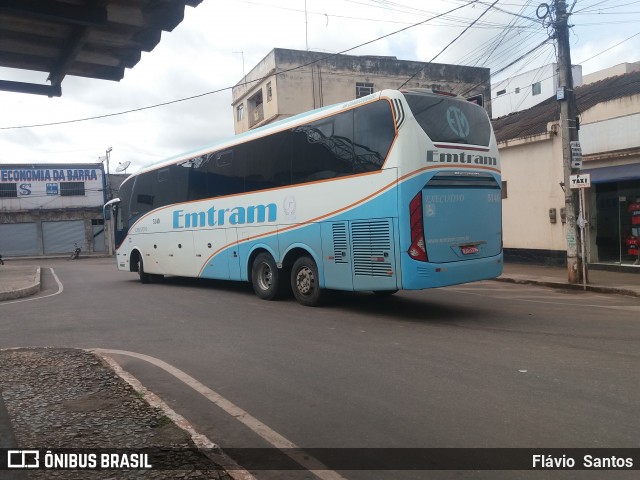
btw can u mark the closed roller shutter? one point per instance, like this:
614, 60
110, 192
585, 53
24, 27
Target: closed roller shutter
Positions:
19, 239
60, 237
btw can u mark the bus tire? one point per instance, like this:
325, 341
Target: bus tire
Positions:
305, 282
144, 277
384, 293
265, 277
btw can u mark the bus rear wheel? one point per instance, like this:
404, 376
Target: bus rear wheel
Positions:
265, 277
384, 293
304, 282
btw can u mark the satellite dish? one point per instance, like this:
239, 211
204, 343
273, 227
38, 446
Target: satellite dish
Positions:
122, 167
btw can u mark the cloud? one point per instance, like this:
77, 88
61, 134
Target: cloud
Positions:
206, 51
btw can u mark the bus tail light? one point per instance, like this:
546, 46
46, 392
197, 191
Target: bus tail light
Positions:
417, 250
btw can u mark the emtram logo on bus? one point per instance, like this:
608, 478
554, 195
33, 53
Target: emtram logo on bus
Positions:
222, 216
434, 156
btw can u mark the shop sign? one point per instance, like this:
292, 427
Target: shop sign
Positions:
576, 155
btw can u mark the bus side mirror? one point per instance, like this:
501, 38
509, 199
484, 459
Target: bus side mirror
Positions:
110, 205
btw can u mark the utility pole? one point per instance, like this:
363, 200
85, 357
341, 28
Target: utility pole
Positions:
568, 124
108, 232
306, 26
108, 183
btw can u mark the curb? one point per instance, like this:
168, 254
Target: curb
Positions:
23, 292
209, 448
7, 440
569, 286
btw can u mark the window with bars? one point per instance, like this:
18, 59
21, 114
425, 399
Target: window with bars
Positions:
363, 89
8, 190
72, 189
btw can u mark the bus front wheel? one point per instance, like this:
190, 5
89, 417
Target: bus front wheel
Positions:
265, 277
304, 282
144, 276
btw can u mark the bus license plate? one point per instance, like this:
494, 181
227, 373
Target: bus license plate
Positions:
469, 250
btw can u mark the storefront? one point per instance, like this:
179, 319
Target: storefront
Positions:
47, 209
614, 203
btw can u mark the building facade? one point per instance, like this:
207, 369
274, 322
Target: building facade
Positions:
523, 91
289, 82
47, 209
614, 71
531, 157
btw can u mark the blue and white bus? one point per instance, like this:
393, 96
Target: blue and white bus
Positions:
396, 190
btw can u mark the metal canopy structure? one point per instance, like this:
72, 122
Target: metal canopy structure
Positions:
85, 38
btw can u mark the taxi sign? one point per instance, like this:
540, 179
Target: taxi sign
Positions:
580, 181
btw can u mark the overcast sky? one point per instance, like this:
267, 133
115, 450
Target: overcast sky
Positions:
205, 53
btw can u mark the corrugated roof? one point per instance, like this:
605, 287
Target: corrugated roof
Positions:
534, 120
86, 38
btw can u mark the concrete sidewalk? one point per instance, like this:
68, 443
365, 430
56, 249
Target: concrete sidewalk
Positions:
18, 280
603, 281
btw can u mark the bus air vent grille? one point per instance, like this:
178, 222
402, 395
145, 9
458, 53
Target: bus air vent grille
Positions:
372, 248
340, 246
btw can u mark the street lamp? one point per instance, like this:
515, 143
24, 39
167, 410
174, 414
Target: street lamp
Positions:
107, 183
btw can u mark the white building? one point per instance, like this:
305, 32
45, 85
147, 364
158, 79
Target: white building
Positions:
530, 145
46, 208
619, 69
523, 91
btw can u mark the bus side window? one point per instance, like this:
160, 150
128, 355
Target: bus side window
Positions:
225, 175
373, 135
323, 149
197, 185
268, 162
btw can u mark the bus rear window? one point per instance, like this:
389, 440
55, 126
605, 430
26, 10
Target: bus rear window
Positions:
449, 120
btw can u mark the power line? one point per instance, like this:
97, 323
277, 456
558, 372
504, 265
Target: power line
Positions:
452, 20
508, 65
612, 47
162, 104
450, 43
508, 32
577, 63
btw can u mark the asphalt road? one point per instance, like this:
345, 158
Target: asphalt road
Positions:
484, 365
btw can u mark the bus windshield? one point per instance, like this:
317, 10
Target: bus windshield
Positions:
449, 119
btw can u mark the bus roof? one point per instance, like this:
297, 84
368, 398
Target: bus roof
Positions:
266, 129
287, 123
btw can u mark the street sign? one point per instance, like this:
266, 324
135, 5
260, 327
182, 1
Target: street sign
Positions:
580, 181
576, 155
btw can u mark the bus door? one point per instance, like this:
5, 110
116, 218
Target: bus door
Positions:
462, 216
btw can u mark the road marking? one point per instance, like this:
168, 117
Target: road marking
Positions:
201, 441
271, 436
33, 299
518, 297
